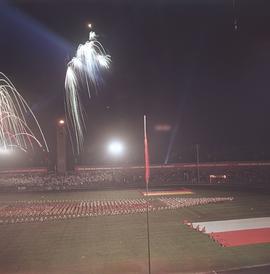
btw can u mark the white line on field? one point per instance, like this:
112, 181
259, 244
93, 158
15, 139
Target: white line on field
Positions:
233, 269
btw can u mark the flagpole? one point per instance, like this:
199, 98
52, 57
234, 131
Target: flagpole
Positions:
147, 197
148, 234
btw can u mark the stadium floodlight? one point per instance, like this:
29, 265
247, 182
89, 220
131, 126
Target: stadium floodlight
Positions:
61, 122
116, 148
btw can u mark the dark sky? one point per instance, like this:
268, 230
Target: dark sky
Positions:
180, 62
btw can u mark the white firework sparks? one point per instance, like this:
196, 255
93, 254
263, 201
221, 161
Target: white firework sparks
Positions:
14, 130
85, 67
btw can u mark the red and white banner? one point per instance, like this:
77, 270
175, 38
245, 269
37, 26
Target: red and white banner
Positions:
237, 232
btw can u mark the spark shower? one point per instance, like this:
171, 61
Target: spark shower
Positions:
83, 70
17, 121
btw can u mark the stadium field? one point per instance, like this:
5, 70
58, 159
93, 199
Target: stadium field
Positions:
117, 244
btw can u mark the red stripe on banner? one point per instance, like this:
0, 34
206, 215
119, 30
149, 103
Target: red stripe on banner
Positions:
146, 154
242, 237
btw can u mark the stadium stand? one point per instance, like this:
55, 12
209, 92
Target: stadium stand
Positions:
251, 174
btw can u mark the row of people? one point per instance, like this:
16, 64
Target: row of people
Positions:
49, 210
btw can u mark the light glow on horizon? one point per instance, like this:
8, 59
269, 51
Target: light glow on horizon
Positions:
4, 151
116, 148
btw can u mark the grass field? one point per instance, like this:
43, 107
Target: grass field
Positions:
117, 244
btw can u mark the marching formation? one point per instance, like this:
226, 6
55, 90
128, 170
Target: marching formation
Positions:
186, 202
46, 210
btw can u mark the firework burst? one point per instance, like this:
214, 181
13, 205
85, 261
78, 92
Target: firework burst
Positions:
14, 129
84, 68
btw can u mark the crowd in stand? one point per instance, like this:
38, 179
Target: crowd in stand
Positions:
133, 177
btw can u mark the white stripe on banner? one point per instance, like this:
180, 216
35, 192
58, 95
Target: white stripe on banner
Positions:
234, 225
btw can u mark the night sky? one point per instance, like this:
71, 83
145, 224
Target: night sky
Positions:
203, 67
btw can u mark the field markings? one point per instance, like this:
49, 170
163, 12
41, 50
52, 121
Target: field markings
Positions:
233, 269
183, 191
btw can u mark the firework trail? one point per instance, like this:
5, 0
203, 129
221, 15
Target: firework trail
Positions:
14, 130
85, 68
